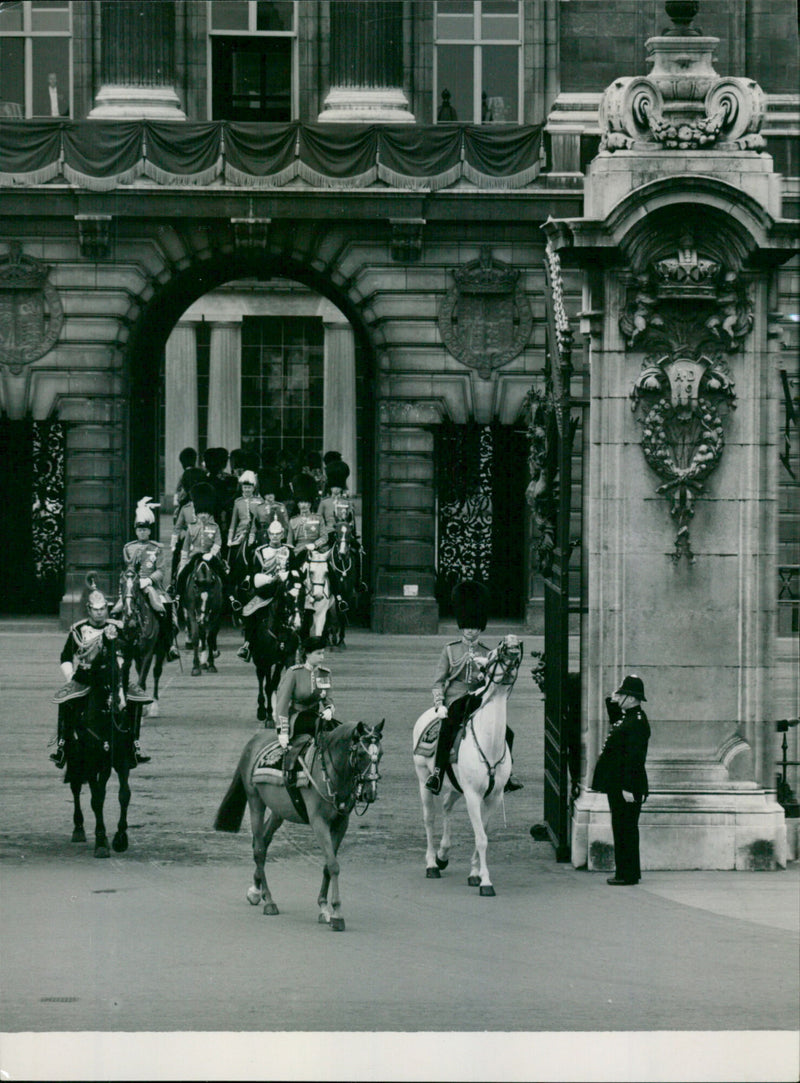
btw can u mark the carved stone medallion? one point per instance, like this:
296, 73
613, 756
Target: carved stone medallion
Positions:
31, 316
485, 320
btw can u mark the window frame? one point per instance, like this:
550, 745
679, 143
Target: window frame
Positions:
252, 34
478, 42
28, 36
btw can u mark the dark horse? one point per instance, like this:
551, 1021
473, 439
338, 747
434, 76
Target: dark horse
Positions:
147, 635
240, 560
99, 738
345, 571
201, 601
273, 645
339, 775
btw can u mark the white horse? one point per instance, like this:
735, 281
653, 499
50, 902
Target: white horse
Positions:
320, 599
481, 765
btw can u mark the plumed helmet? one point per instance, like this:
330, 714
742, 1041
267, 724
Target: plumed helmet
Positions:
96, 603
247, 477
270, 482
204, 498
144, 512
632, 686
304, 488
338, 472
471, 604
215, 459
276, 529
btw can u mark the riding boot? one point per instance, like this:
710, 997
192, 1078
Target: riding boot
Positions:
513, 782
59, 757
441, 756
139, 756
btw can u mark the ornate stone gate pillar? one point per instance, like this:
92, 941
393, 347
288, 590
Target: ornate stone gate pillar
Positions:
682, 231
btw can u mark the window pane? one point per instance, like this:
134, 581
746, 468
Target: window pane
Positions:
504, 27
11, 17
278, 16
500, 102
51, 77
50, 15
454, 68
12, 77
455, 19
229, 15
252, 78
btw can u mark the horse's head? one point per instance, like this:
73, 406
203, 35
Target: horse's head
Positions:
364, 757
204, 576
344, 536
504, 661
128, 587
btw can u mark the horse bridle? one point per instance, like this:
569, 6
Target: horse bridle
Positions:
366, 745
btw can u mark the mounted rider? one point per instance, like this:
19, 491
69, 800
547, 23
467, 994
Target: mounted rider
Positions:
91, 657
270, 509
461, 676
203, 540
244, 510
271, 575
302, 702
336, 509
312, 548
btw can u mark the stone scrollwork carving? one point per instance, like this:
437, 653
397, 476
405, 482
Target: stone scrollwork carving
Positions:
31, 314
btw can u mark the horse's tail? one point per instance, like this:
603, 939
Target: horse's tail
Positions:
231, 811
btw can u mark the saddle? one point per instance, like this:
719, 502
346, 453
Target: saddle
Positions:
277, 767
71, 690
255, 604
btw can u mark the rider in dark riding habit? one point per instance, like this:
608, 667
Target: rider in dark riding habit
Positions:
86, 660
302, 703
459, 674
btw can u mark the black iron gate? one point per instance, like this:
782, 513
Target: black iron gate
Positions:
552, 432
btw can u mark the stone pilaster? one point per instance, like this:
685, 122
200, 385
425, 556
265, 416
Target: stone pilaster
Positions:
225, 386
180, 406
338, 414
405, 549
366, 49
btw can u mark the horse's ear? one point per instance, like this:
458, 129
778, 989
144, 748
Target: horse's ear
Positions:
379, 727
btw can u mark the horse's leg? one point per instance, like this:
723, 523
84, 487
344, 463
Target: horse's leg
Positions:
78, 832
332, 914
97, 785
211, 645
120, 841
478, 815
450, 798
261, 710
152, 709
432, 867
194, 632
262, 832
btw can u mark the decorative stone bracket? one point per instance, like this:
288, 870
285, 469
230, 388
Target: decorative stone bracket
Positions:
94, 235
406, 239
251, 232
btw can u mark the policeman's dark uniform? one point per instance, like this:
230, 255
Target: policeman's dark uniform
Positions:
621, 767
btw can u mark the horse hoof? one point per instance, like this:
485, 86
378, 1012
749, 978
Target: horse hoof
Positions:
119, 843
261, 714
473, 881
337, 925
152, 710
211, 668
102, 851
271, 909
442, 862
433, 874
322, 919
254, 895
196, 671
486, 889
79, 835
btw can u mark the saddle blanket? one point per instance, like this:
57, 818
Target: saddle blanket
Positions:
426, 745
268, 766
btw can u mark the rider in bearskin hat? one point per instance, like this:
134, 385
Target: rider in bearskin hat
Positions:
270, 508
459, 675
91, 654
203, 540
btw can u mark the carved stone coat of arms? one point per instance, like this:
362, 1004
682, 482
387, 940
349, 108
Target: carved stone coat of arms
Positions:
31, 315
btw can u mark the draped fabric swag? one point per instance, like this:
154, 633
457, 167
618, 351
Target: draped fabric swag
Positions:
104, 154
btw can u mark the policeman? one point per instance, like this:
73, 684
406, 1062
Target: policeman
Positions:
244, 507
273, 574
269, 509
459, 674
302, 701
90, 651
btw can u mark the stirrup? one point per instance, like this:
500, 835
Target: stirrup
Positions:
434, 782
139, 755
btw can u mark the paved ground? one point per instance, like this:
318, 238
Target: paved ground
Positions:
558, 977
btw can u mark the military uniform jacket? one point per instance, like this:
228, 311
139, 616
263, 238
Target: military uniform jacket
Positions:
267, 512
621, 763
186, 515
243, 512
297, 691
202, 536
146, 559
307, 528
459, 670
85, 644
327, 509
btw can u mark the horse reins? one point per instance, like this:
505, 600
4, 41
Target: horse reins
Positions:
370, 774
505, 666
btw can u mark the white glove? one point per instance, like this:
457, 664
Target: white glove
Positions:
327, 713
481, 660
283, 739
628, 796
110, 631
441, 711
144, 582
206, 556
67, 669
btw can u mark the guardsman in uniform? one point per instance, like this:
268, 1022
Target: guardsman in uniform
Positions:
620, 773
459, 674
302, 700
270, 509
272, 574
224, 484
244, 509
87, 641
203, 540
307, 527
337, 473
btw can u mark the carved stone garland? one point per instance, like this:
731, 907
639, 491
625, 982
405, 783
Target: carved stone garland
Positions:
685, 388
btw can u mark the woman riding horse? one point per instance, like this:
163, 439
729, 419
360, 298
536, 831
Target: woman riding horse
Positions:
302, 704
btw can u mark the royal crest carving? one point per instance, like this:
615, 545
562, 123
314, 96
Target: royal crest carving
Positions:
485, 320
31, 315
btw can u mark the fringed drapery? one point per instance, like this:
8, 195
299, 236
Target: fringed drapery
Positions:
101, 155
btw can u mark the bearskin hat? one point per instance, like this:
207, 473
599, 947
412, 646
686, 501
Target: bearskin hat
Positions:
471, 604
331, 456
188, 457
237, 459
269, 482
204, 498
337, 472
191, 476
216, 459
304, 489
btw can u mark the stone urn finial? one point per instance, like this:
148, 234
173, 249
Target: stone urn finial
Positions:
681, 12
